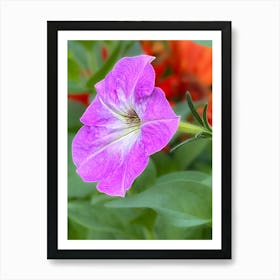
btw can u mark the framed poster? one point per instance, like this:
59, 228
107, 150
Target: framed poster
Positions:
139, 140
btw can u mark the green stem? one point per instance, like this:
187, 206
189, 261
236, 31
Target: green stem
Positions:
191, 128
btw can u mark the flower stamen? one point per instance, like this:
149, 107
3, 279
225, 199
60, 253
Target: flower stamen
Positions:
132, 118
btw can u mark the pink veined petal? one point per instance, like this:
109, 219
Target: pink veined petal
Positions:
156, 107
145, 84
156, 135
89, 140
109, 97
131, 78
119, 181
100, 114
102, 154
159, 122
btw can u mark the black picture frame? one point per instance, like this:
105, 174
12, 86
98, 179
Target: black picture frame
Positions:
52, 131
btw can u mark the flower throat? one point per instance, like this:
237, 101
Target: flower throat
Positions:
132, 118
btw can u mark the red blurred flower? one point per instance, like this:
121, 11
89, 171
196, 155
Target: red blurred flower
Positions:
80, 97
182, 66
170, 85
104, 53
190, 58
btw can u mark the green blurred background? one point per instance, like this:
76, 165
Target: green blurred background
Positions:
172, 198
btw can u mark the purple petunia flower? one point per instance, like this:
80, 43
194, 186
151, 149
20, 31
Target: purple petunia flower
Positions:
128, 120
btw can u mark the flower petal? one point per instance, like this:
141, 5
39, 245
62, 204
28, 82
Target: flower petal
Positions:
119, 181
159, 122
145, 84
131, 77
98, 151
156, 107
100, 114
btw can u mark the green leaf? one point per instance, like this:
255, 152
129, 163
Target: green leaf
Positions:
92, 217
203, 162
73, 69
197, 136
192, 176
146, 179
164, 230
182, 202
100, 198
96, 56
105, 68
181, 110
79, 53
87, 44
76, 187
75, 111
132, 48
105, 223
205, 119
164, 163
78, 86
146, 218
207, 43
146, 221
76, 231
182, 143
193, 110
185, 155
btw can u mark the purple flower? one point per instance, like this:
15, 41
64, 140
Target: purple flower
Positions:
128, 120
